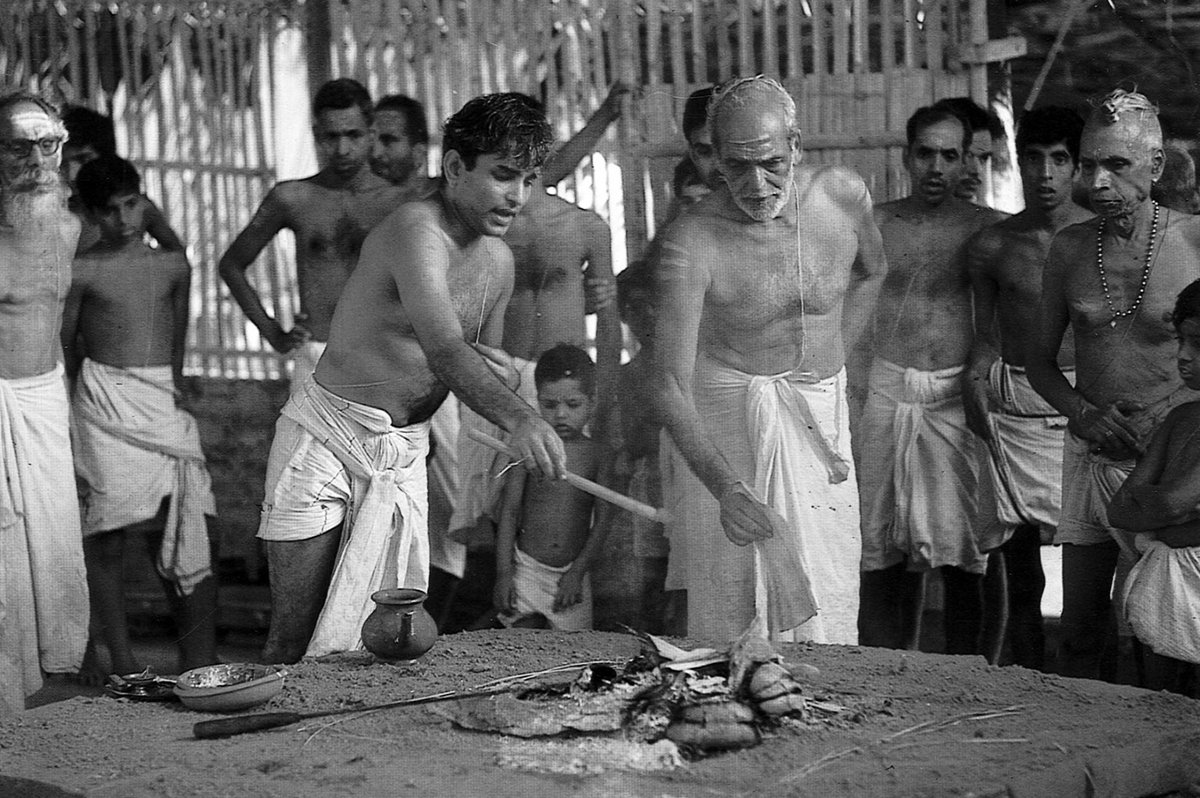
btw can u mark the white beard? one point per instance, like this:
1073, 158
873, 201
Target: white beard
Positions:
764, 213
27, 209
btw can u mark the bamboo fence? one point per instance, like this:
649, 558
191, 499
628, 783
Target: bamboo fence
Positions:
191, 83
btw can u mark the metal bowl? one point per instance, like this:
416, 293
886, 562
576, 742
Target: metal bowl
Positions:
229, 687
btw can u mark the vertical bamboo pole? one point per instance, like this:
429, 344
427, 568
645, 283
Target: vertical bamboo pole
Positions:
770, 36
720, 29
978, 31
89, 44
700, 71
74, 56
679, 76
745, 39
127, 53
635, 169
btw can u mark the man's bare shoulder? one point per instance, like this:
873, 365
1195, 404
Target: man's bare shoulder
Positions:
839, 183
1076, 234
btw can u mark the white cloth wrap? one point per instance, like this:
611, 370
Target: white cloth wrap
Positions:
384, 537
536, 585
43, 582
921, 473
1162, 599
445, 553
1027, 458
479, 489
133, 447
787, 435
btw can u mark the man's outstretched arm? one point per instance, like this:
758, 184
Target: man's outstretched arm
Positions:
420, 263
681, 289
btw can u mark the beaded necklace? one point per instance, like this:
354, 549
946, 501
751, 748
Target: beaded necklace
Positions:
1129, 311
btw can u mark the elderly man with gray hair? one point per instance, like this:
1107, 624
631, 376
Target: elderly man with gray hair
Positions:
763, 285
43, 584
1113, 280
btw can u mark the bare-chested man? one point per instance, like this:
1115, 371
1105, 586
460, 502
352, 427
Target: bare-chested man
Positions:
555, 245
974, 182
919, 464
91, 135
1112, 281
401, 146
330, 214
145, 487
762, 286
1024, 432
349, 449
43, 592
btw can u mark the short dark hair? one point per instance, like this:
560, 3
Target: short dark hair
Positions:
563, 362
341, 93
695, 111
1187, 304
973, 114
103, 178
1050, 124
929, 115
508, 124
88, 128
415, 126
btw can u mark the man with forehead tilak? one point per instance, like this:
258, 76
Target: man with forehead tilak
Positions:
762, 286
1112, 281
1024, 433
43, 583
919, 464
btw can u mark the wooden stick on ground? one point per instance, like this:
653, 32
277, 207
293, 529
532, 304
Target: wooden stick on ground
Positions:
585, 485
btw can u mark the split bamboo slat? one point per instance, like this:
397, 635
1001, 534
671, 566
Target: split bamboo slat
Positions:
191, 85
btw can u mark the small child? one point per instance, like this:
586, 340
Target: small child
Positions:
1161, 501
546, 540
137, 454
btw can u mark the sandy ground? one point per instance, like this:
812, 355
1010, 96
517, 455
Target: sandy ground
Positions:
912, 727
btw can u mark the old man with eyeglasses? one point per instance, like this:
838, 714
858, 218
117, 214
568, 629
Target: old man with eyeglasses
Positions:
43, 584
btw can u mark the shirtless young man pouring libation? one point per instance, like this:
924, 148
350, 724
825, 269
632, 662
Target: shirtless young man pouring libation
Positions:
345, 503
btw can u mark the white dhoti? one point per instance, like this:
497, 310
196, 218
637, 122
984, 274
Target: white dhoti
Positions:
304, 359
479, 466
1162, 599
334, 462
788, 437
1090, 479
922, 483
1027, 458
445, 553
133, 447
536, 585
43, 582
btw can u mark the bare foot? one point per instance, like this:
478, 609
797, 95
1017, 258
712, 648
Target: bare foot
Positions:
93, 672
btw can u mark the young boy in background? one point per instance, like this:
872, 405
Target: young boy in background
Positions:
546, 540
1161, 501
137, 453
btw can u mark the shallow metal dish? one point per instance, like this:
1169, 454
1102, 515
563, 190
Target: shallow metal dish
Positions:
229, 687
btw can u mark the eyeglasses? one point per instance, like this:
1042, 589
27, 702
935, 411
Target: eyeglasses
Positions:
23, 148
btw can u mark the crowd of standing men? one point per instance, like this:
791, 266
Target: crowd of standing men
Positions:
850, 396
